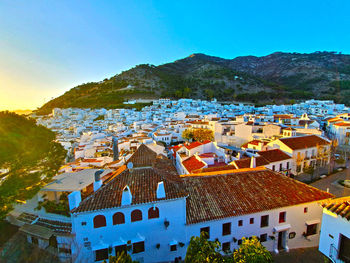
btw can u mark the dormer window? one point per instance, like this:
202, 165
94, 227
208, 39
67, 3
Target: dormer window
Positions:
126, 196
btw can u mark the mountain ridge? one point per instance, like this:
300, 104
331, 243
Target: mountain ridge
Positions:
275, 78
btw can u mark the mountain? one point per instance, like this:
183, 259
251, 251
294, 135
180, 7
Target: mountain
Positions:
276, 78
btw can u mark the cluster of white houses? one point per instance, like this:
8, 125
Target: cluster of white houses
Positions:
148, 210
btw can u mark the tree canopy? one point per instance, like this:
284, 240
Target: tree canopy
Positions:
30, 154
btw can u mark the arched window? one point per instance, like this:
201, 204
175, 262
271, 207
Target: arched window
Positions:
136, 215
153, 212
99, 221
118, 218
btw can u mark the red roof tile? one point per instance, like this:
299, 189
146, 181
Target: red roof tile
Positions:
274, 155
303, 142
245, 162
143, 186
243, 193
339, 206
192, 164
193, 145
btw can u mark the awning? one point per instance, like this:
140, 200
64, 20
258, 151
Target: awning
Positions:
100, 245
312, 222
173, 242
138, 238
282, 228
38, 231
120, 242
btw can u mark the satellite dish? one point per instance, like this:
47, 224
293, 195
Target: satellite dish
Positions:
130, 165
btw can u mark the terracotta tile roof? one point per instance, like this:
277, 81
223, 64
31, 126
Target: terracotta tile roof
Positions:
218, 168
303, 142
193, 145
192, 164
339, 206
240, 193
245, 162
143, 185
274, 155
142, 157
342, 124
208, 155
254, 142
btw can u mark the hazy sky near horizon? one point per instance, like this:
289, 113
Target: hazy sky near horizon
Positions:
48, 47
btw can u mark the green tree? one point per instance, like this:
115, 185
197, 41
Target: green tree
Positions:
187, 135
201, 250
251, 251
203, 135
122, 257
309, 170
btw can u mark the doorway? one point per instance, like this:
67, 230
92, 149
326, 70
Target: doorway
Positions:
281, 240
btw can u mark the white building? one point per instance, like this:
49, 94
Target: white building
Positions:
151, 212
335, 230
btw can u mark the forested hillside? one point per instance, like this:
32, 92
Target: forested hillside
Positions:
276, 78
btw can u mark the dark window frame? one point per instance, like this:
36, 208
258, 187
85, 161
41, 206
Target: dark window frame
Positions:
226, 246
226, 229
153, 212
311, 229
263, 238
118, 218
205, 230
140, 249
100, 221
282, 217
101, 254
264, 221
136, 215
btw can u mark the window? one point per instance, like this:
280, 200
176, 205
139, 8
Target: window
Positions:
83, 223
136, 215
264, 221
173, 248
120, 249
138, 247
281, 167
311, 230
64, 250
153, 213
206, 231
35, 241
240, 222
282, 217
344, 248
99, 221
287, 165
251, 221
273, 167
101, 254
239, 242
226, 246
305, 210
118, 218
263, 237
226, 229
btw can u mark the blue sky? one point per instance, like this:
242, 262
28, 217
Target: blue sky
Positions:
48, 47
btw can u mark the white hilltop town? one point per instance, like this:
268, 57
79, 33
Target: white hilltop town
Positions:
134, 182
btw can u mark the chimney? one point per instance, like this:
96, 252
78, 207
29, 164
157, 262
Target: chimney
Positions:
98, 181
160, 190
115, 149
252, 162
74, 199
126, 196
